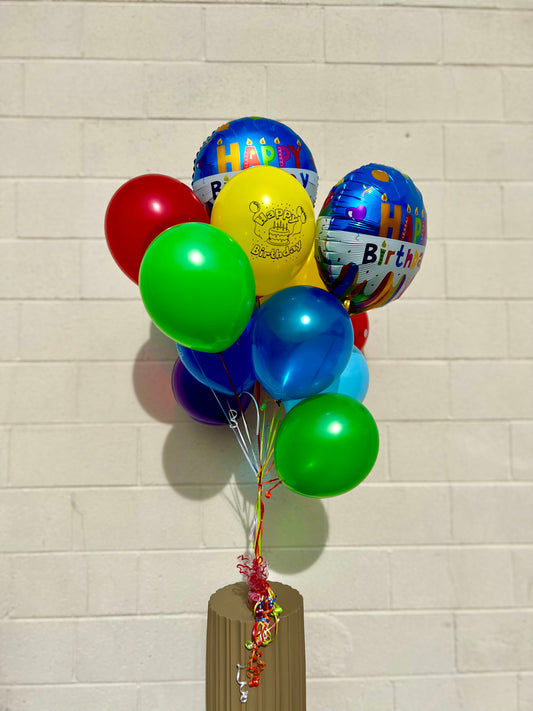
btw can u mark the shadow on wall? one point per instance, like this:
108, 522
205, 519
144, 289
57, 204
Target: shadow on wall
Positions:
202, 461
152, 376
295, 528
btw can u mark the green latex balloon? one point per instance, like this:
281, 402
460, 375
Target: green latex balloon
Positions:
198, 287
326, 445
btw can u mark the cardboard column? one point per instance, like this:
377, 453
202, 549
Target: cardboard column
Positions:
229, 626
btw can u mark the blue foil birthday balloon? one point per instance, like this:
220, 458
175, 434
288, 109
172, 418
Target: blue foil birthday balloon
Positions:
247, 142
370, 236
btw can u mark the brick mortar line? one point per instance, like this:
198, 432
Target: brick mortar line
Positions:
175, 551
268, 62
128, 61
441, 7
444, 484
326, 680
159, 552
318, 613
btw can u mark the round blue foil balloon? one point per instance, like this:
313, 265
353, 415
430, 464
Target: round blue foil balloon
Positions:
247, 142
301, 340
230, 371
370, 236
353, 381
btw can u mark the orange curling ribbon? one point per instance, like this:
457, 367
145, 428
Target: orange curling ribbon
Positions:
264, 609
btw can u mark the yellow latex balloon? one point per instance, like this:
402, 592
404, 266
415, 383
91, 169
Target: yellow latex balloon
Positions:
268, 212
308, 274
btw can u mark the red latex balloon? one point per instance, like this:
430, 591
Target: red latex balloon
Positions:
360, 326
140, 210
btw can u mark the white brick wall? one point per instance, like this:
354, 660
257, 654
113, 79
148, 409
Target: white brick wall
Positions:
118, 515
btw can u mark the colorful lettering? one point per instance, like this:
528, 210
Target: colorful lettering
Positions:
284, 155
418, 230
369, 255
233, 158
268, 154
390, 222
407, 232
382, 252
216, 187
408, 259
296, 153
250, 157
424, 231
399, 256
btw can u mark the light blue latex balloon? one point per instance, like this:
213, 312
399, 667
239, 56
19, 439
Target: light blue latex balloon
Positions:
353, 380
302, 339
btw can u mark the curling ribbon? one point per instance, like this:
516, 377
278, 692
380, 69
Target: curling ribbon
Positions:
242, 684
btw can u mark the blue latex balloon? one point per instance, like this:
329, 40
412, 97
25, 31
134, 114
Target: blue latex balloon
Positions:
244, 143
209, 368
301, 340
204, 404
353, 380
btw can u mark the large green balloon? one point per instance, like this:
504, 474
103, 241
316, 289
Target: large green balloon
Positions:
198, 287
326, 445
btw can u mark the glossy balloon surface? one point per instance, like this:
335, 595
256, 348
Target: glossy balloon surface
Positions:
140, 210
246, 143
271, 216
202, 403
353, 381
230, 371
326, 446
361, 328
198, 287
371, 236
301, 341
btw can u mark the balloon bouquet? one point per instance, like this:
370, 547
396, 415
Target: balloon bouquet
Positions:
288, 314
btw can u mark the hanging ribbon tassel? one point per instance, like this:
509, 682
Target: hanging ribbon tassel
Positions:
262, 598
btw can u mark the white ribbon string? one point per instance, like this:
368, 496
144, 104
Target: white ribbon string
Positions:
242, 684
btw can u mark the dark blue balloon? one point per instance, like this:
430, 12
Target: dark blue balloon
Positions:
224, 371
202, 403
301, 341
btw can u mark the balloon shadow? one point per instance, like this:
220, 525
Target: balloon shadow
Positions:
199, 460
295, 528
152, 373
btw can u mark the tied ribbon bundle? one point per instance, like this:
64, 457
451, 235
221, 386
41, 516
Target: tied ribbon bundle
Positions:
265, 607
260, 457
261, 597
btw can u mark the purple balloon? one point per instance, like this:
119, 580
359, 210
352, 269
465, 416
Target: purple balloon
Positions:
201, 402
